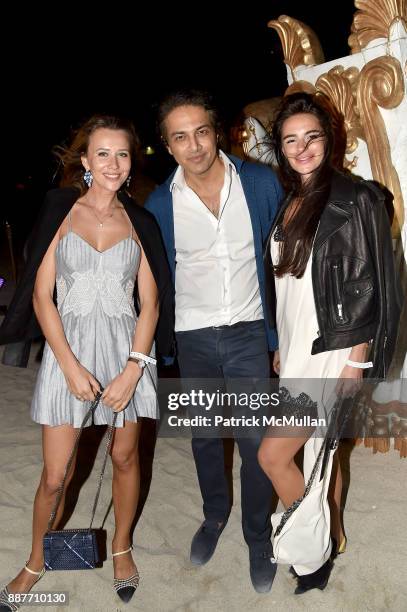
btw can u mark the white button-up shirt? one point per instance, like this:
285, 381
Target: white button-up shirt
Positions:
216, 276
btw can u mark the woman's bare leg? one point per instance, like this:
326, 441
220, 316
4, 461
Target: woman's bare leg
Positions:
126, 489
57, 444
276, 457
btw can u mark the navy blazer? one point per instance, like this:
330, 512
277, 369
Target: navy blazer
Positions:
263, 196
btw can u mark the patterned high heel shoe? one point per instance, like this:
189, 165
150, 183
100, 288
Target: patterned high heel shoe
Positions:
6, 603
125, 587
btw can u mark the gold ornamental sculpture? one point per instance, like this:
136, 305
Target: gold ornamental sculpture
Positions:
300, 43
381, 84
374, 20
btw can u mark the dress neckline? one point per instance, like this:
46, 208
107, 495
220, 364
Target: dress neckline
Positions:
94, 248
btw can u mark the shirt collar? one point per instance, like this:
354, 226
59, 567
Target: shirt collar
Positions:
178, 180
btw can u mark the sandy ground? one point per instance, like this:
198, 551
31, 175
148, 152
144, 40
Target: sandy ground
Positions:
371, 575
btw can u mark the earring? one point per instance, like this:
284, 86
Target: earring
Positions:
88, 178
128, 181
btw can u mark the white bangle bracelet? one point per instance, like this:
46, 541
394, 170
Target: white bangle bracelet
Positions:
146, 358
359, 364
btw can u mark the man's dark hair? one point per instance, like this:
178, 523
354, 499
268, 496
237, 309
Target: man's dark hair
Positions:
187, 97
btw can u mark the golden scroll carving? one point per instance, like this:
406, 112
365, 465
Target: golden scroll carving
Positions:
374, 20
381, 84
300, 43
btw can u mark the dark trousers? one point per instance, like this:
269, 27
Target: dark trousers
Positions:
230, 353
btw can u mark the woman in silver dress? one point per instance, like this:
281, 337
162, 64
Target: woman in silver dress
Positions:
94, 338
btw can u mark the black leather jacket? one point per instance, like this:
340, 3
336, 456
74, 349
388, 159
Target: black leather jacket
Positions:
357, 294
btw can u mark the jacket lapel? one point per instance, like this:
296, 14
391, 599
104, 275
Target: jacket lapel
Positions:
249, 190
338, 209
332, 219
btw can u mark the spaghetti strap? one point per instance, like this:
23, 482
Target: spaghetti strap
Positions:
70, 221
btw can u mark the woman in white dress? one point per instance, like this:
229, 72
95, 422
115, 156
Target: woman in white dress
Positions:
330, 289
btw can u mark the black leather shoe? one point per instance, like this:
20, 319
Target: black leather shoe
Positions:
204, 542
262, 570
316, 580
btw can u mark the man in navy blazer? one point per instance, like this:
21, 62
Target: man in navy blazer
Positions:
215, 213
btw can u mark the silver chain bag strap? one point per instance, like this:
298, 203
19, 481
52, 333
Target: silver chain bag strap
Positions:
74, 549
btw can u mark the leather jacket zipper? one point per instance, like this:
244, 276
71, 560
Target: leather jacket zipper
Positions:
337, 287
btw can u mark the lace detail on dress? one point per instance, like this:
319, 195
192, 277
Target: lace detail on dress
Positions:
299, 406
62, 290
129, 289
101, 286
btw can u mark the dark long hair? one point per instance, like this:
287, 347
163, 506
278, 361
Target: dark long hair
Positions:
70, 156
299, 232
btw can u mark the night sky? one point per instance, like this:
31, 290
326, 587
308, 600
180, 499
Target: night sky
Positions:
123, 60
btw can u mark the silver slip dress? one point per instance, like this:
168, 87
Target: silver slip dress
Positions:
95, 303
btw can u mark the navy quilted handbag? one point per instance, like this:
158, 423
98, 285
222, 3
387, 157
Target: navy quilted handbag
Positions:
75, 549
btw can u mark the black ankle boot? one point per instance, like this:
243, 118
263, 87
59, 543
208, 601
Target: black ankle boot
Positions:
316, 580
